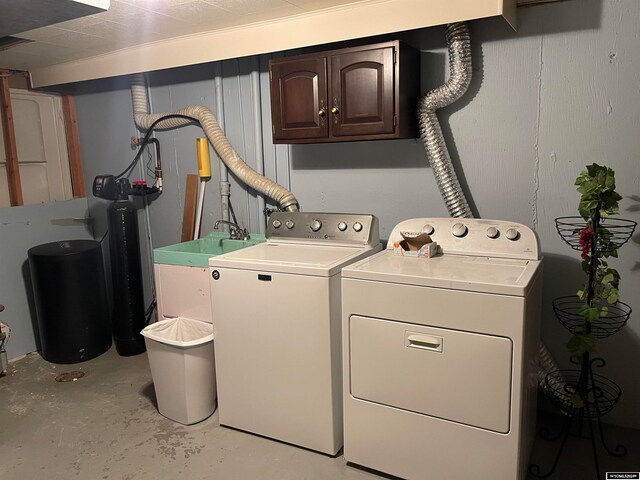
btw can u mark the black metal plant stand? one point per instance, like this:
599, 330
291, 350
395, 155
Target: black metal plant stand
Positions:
581, 394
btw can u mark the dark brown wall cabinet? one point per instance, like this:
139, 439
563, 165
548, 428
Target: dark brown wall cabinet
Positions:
358, 93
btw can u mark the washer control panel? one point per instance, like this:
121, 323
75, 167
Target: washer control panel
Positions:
474, 236
343, 228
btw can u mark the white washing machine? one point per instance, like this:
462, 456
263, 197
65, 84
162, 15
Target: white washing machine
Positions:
277, 327
440, 353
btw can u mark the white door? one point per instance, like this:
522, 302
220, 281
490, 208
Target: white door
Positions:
42, 149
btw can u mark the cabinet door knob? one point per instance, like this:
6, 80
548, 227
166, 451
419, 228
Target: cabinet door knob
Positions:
335, 110
322, 112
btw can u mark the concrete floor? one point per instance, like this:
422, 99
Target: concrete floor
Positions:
106, 426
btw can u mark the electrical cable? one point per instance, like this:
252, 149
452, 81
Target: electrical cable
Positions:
158, 170
148, 170
103, 237
149, 312
233, 214
146, 140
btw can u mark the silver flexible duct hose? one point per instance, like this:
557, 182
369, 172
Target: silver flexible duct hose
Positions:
546, 364
459, 45
221, 145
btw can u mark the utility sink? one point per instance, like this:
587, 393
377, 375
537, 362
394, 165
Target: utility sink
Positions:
196, 253
182, 274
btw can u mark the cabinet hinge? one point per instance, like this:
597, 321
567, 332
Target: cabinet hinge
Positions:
270, 76
395, 120
273, 129
395, 57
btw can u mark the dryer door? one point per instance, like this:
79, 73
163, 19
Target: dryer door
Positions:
458, 376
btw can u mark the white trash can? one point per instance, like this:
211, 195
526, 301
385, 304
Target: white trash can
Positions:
180, 354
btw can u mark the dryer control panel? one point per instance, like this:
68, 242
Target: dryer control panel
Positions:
474, 236
338, 228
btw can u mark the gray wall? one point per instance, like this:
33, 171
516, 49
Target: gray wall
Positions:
20, 229
546, 101
105, 125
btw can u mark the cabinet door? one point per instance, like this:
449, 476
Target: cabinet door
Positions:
362, 92
299, 99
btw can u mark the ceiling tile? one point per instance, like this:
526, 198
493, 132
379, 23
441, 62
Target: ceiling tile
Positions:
44, 49
59, 36
129, 23
312, 5
119, 10
154, 4
244, 7
190, 12
23, 61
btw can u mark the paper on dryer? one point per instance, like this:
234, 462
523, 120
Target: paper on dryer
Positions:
415, 244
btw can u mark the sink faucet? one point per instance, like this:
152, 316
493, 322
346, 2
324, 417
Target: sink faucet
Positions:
236, 232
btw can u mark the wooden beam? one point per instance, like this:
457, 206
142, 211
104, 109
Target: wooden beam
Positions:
73, 146
9, 137
189, 214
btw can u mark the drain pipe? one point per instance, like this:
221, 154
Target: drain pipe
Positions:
257, 124
225, 187
219, 141
459, 46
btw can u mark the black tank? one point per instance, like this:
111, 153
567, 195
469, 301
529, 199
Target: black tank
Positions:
71, 300
126, 272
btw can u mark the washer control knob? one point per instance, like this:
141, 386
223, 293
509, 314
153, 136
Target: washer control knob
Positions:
492, 232
459, 230
357, 226
276, 224
316, 225
512, 234
289, 224
428, 229
342, 226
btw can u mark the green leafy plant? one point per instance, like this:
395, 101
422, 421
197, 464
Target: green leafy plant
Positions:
598, 200
597, 185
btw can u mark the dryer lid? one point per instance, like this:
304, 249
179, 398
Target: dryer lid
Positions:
457, 272
306, 259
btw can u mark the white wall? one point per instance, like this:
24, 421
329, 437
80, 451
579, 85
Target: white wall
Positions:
561, 93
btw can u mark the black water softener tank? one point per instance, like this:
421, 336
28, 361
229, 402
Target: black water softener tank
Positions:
71, 300
126, 272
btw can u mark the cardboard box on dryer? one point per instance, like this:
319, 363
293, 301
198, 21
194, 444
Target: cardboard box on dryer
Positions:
415, 244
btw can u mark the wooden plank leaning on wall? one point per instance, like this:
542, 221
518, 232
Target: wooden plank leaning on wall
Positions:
9, 137
73, 146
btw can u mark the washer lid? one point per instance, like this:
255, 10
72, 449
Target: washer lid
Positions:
304, 259
457, 272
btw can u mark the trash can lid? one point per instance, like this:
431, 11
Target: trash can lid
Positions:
63, 248
180, 332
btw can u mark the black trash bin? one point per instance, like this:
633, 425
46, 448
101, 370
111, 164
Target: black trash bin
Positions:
71, 300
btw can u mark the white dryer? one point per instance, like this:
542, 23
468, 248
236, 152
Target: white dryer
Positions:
440, 353
277, 327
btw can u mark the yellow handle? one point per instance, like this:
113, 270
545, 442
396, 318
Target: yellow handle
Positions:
204, 164
335, 110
